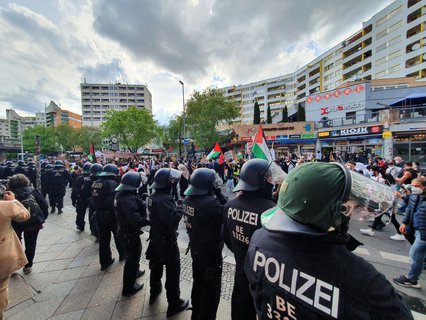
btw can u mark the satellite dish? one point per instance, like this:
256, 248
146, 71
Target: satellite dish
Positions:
415, 46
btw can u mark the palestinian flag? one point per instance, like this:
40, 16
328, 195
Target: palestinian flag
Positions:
216, 152
92, 156
260, 148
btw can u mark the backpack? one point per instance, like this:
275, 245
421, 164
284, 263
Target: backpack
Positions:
36, 214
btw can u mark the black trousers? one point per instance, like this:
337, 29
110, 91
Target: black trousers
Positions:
242, 307
56, 197
207, 276
81, 209
30, 239
133, 246
165, 254
107, 225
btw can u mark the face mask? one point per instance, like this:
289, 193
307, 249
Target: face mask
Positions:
416, 190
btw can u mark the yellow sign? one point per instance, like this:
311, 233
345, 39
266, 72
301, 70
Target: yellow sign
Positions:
324, 134
387, 134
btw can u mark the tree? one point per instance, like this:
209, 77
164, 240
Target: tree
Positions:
172, 132
268, 115
48, 140
285, 115
85, 136
300, 113
67, 137
132, 127
204, 111
256, 113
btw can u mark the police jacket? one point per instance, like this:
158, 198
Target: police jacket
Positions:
58, 178
204, 223
316, 277
241, 219
130, 211
78, 184
164, 216
86, 189
103, 193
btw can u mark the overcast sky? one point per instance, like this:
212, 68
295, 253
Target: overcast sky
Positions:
48, 47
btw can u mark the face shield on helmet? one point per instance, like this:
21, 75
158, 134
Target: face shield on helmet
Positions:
319, 197
275, 174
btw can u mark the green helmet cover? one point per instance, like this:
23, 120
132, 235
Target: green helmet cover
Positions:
312, 195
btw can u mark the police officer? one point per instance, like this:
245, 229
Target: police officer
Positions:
84, 200
241, 219
163, 249
78, 184
9, 170
57, 180
299, 265
21, 167
204, 222
32, 173
45, 175
130, 211
103, 193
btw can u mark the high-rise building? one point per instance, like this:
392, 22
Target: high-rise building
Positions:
97, 99
389, 45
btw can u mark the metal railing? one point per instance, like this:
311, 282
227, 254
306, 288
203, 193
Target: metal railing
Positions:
406, 114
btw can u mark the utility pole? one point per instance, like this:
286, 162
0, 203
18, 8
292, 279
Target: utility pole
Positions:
185, 141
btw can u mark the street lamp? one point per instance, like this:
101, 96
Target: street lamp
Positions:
184, 118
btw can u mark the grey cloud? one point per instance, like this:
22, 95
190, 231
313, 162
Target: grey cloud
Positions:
111, 71
188, 40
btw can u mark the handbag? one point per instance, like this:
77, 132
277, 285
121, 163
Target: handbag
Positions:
12, 256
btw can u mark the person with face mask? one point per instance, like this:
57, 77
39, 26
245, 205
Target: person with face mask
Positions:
163, 250
241, 219
392, 169
299, 264
415, 219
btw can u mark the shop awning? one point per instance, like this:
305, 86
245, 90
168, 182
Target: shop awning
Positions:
411, 99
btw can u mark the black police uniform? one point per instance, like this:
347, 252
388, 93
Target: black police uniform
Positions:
57, 181
241, 219
32, 174
44, 175
163, 249
204, 223
316, 277
103, 193
130, 211
84, 202
8, 171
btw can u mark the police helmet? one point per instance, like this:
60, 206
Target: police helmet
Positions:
253, 176
202, 182
130, 181
48, 167
31, 164
165, 177
86, 168
96, 169
315, 198
110, 170
10, 164
21, 163
43, 164
59, 163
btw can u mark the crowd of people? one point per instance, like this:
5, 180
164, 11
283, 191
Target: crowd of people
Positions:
275, 227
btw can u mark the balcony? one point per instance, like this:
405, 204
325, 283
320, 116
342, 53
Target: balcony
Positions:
348, 121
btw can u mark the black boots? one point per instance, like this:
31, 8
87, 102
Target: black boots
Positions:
129, 292
181, 305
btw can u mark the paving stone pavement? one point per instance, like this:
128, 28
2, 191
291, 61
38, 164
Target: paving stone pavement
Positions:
67, 283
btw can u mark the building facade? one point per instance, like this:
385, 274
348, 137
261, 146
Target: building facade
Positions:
389, 45
97, 99
55, 116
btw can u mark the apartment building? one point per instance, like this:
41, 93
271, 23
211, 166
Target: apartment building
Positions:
55, 116
97, 99
389, 45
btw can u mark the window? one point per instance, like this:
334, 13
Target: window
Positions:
381, 74
388, 16
394, 55
394, 69
329, 77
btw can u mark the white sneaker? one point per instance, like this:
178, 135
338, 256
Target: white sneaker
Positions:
398, 237
367, 232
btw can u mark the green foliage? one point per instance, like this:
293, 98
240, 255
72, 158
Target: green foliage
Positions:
172, 132
300, 113
85, 136
285, 115
268, 115
133, 127
204, 111
256, 113
67, 137
48, 139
